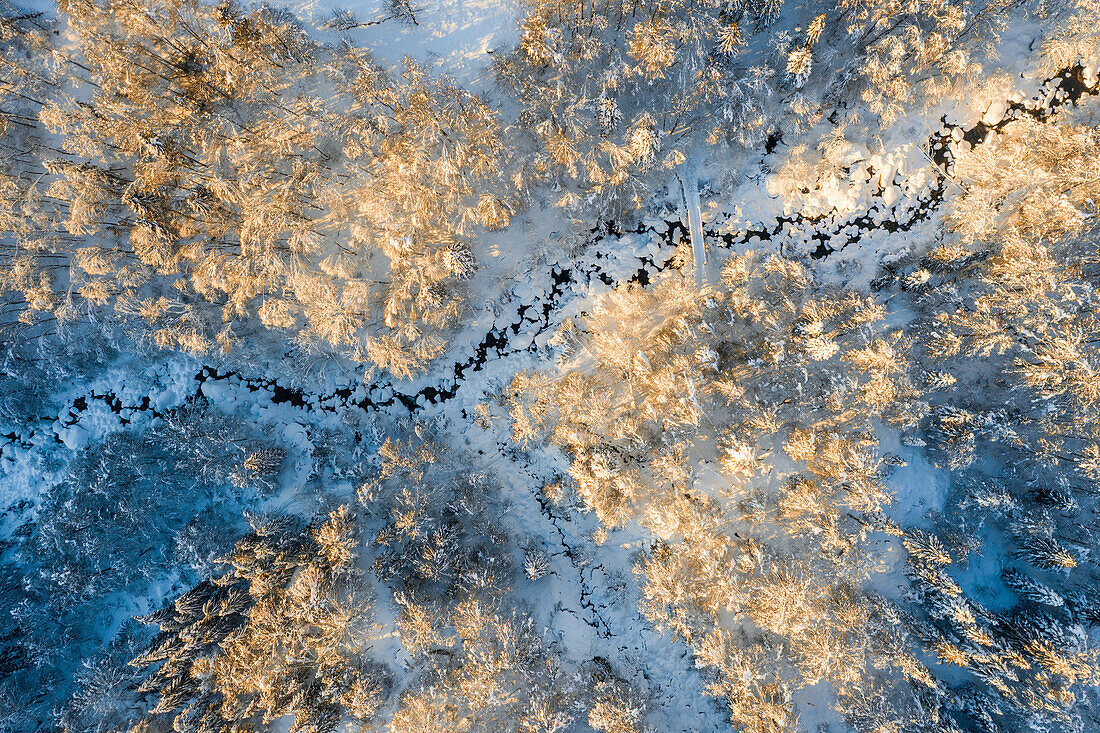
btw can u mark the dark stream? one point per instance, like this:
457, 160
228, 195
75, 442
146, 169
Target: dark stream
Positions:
832, 235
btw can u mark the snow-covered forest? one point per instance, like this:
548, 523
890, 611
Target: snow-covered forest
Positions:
636, 366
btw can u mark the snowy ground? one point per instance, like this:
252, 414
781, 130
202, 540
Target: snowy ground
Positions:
454, 37
871, 217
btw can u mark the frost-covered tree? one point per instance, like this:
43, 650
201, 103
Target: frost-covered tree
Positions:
130, 511
289, 184
280, 633
1001, 333
615, 94
670, 405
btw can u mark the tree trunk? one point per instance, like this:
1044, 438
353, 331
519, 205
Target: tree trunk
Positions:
695, 226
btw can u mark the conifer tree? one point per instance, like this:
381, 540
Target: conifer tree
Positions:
280, 633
